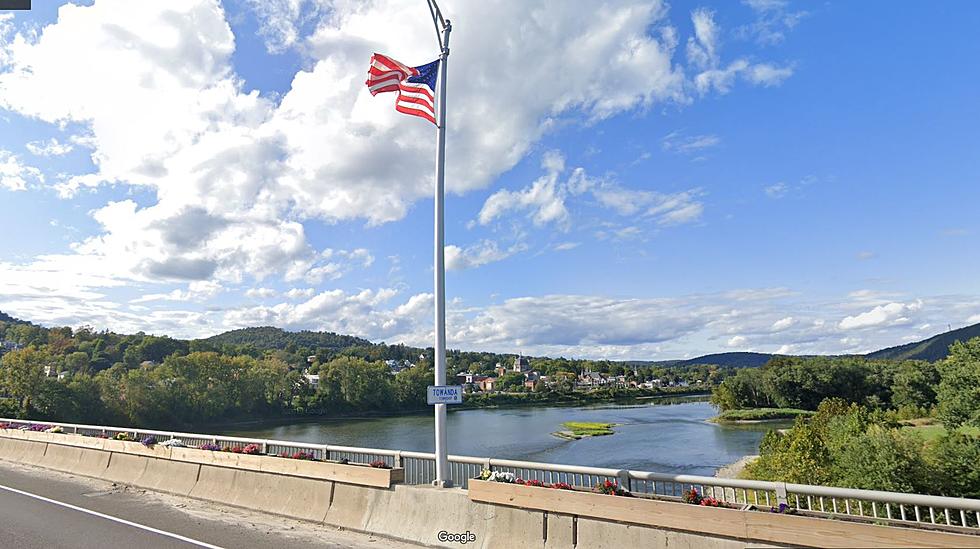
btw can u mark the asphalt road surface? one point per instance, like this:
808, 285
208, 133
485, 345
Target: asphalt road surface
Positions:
49, 510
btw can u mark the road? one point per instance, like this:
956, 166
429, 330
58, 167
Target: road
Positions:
51, 510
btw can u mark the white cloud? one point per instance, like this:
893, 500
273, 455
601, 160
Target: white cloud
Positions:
683, 144
766, 75
236, 175
777, 190
201, 290
260, 293
737, 341
51, 147
973, 319
300, 293
564, 246
702, 48
890, 314
866, 255
783, 324
545, 200
280, 20
773, 21
482, 253
15, 176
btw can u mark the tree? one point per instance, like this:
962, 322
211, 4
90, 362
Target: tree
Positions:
77, 362
959, 387
21, 372
410, 386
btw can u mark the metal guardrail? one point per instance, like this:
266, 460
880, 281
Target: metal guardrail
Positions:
917, 510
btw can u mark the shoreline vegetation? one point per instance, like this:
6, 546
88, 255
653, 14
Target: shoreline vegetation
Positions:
624, 396
577, 430
897, 426
759, 415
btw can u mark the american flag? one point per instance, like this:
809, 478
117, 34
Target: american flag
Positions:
416, 86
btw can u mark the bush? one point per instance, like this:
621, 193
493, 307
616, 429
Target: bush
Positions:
955, 458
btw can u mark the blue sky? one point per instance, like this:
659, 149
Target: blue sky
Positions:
629, 180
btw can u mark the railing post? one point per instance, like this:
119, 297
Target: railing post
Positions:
398, 459
781, 494
625, 481
487, 466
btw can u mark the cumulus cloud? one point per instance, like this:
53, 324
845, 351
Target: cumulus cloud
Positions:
890, 314
260, 293
15, 175
783, 324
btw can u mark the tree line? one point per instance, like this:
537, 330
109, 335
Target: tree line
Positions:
909, 426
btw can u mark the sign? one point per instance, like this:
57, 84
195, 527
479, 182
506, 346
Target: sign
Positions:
444, 394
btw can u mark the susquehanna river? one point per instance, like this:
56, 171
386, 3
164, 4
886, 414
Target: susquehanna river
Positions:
656, 436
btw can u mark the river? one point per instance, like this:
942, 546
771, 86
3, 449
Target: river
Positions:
660, 436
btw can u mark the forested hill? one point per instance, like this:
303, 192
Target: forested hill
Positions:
267, 337
738, 360
4, 317
932, 349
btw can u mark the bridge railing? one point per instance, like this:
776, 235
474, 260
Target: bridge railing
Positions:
844, 503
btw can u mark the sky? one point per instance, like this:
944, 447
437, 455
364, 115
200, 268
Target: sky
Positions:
626, 179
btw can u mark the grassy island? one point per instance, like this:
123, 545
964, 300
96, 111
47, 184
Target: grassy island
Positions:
760, 414
575, 430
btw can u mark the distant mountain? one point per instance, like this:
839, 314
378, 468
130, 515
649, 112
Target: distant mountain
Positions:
932, 349
267, 337
738, 360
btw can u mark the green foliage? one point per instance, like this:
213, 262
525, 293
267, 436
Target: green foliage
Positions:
959, 388
955, 458
760, 414
21, 373
803, 382
849, 445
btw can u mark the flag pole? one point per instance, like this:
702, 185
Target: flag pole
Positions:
443, 478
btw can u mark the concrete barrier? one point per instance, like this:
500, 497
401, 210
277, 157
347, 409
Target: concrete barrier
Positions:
124, 468
305, 499
72, 459
164, 475
23, 451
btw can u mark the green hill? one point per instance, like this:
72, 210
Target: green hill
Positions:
932, 349
738, 360
267, 337
4, 317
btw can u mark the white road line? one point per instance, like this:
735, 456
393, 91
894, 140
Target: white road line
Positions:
112, 518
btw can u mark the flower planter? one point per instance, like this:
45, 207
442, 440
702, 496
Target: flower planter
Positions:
750, 526
633, 510
362, 475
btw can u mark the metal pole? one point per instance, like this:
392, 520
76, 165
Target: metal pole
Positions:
442, 460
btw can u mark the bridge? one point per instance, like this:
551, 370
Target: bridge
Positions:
388, 493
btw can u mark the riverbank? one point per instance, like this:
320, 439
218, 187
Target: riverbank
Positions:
473, 402
733, 470
759, 415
